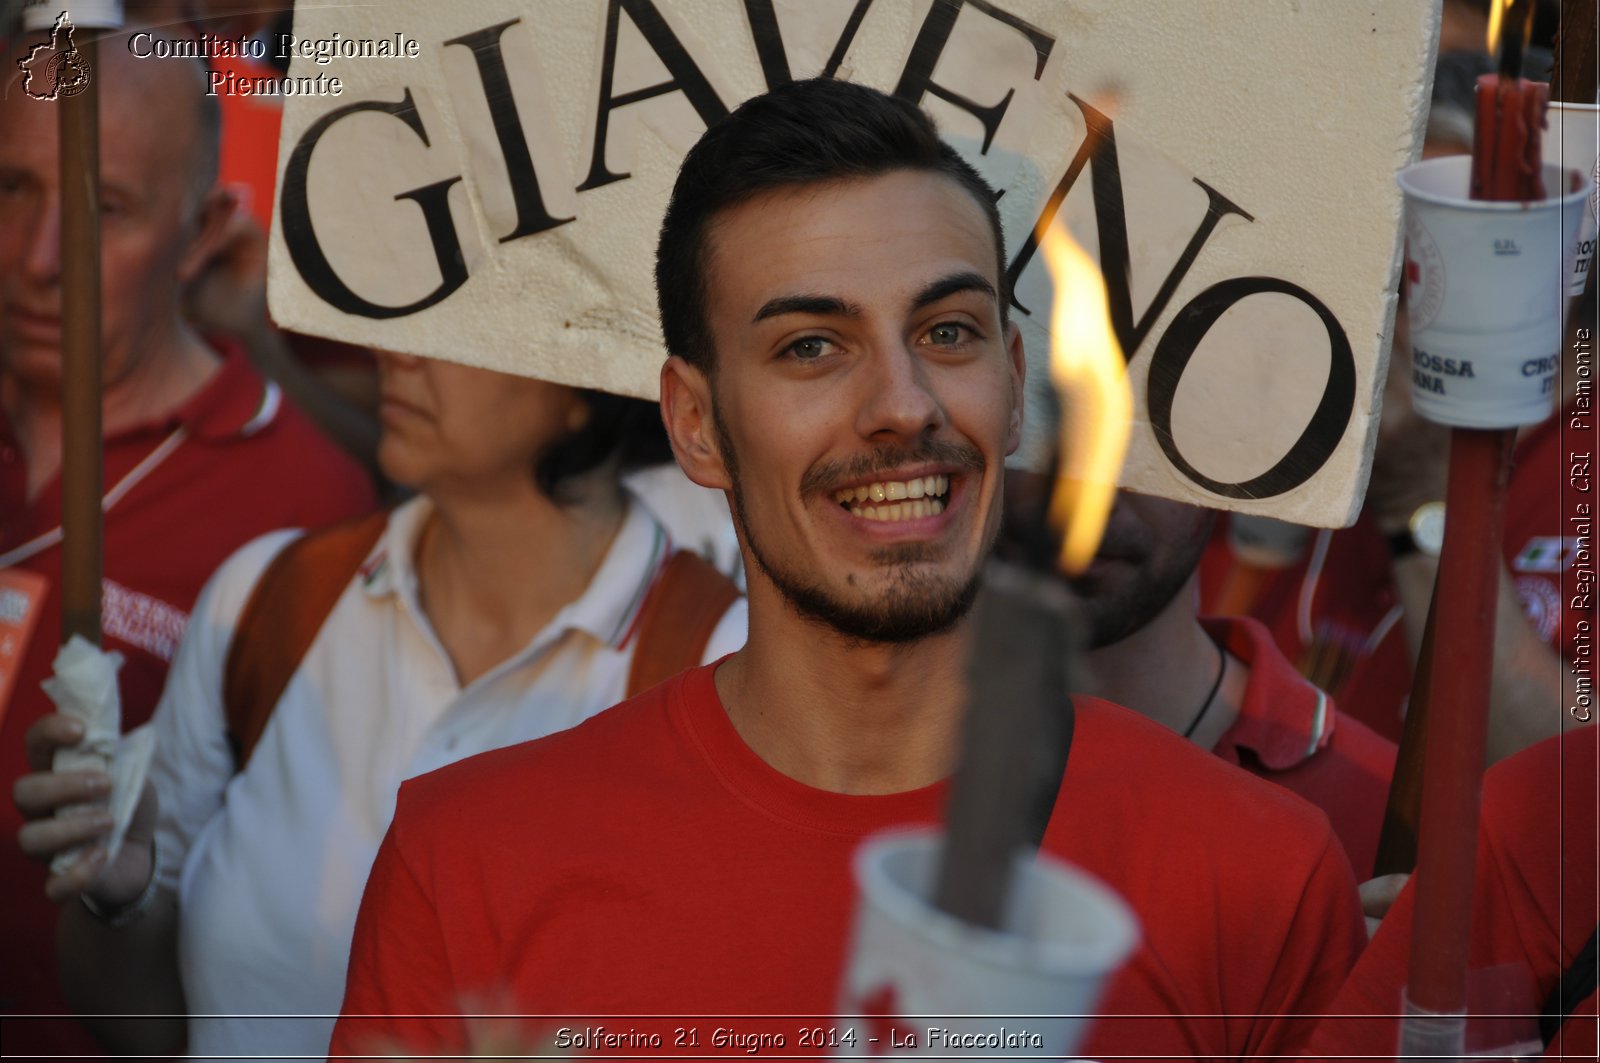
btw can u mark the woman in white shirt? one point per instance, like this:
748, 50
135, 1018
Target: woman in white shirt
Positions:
499, 605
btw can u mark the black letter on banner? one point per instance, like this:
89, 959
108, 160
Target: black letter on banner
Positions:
1111, 223
917, 77
1326, 427
686, 78
532, 217
301, 238
769, 41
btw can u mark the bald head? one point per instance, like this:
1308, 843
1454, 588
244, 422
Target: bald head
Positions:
163, 98
161, 213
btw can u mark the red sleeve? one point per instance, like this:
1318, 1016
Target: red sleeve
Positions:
400, 997
1364, 1020
1323, 942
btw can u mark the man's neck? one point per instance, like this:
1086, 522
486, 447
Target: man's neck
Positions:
1166, 670
153, 388
160, 385
841, 715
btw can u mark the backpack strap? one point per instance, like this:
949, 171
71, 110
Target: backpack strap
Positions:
287, 608
1576, 985
679, 614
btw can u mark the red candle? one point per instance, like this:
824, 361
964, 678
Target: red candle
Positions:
1505, 150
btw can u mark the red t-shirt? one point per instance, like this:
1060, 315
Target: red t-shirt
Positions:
1335, 614
1289, 732
249, 463
648, 863
1536, 902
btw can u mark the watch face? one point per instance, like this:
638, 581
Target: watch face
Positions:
1427, 527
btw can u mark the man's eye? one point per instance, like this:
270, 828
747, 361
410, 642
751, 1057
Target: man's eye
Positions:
948, 334
809, 349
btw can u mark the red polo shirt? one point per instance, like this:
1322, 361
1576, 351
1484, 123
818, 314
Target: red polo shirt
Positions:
245, 463
1289, 732
1335, 614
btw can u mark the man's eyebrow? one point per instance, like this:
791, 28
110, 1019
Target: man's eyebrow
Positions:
821, 305
945, 287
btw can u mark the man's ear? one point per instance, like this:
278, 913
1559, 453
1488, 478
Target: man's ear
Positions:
220, 226
687, 410
1017, 365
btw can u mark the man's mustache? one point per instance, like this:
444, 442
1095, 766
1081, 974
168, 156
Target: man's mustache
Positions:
828, 476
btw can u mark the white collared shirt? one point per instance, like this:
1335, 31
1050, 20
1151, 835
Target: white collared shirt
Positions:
274, 859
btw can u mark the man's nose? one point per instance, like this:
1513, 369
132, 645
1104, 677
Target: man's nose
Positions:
900, 399
42, 252
395, 361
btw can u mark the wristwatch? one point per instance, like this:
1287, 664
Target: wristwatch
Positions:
1423, 534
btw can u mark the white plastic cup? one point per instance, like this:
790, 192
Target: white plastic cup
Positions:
1486, 285
952, 989
1572, 142
40, 15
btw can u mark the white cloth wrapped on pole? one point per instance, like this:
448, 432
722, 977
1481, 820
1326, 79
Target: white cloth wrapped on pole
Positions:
84, 687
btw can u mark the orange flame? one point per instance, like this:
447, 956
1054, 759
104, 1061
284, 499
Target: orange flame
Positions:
1087, 368
1497, 10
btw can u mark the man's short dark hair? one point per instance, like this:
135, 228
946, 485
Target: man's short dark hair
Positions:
799, 134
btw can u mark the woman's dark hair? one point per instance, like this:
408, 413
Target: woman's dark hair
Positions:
626, 431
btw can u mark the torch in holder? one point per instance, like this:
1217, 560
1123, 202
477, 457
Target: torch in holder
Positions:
84, 684
974, 930
1489, 244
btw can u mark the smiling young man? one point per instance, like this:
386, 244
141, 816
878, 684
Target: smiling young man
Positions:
831, 286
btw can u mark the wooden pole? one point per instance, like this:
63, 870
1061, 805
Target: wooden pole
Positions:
1573, 80
1019, 718
1573, 77
82, 524
1466, 593
1015, 738
1461, 665
1397, 844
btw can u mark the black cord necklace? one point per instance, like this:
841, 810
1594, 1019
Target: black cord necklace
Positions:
1211, 695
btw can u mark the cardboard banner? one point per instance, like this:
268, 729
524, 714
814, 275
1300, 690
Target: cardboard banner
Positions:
484, 183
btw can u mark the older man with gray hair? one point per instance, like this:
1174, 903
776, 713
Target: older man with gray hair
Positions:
200, 454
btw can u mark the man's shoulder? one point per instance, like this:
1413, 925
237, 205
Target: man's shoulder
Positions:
1543, 797
280, 429
1220, 865
540, 777
243, 423
247, 415
1166, 776
231, 585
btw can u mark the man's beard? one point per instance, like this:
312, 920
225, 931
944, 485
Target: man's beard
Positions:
1115, 612
1114, 615
914, 605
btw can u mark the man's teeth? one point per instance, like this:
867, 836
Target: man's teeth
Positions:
922, 507
897, 499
